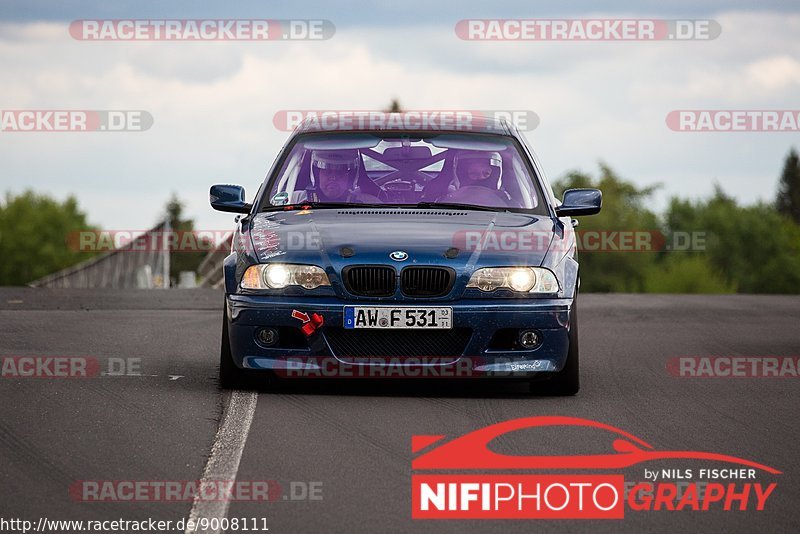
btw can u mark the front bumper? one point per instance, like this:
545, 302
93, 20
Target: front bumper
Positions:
311, 353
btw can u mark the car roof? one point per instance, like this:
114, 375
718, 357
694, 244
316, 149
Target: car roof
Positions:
449, 121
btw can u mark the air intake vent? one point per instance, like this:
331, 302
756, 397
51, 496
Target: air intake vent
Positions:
403, 212
427, 281
369, 280
368, 343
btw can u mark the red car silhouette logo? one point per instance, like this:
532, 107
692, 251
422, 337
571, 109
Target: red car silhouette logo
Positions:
471, 451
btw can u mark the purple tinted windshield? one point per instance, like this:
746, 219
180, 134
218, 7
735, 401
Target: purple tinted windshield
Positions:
393, 169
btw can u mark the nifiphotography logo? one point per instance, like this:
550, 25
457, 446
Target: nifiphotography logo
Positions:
472, 481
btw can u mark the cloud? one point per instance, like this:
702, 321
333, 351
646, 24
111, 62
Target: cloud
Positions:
213, 105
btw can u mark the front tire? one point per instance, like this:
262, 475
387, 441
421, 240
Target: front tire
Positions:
566, 382
231, 376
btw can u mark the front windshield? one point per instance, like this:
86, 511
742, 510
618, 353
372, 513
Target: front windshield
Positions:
485, 171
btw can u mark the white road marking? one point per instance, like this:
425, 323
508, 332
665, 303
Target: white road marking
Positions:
226, 452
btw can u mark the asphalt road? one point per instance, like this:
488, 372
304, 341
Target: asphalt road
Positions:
350, 443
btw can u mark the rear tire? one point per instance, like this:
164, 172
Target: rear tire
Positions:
231, 376
566, 382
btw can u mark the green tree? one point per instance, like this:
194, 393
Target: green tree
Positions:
394, 106
35, 236
190, 257
788, 198
660, 271
686, 273
623, 209
754, 247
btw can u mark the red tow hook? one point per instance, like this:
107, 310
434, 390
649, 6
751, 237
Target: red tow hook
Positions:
310, 324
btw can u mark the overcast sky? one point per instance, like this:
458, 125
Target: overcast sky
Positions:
213, 102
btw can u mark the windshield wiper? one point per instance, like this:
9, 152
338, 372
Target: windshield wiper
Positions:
454, 205
357, 205
321, 205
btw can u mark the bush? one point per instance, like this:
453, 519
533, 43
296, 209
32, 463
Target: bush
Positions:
33, 236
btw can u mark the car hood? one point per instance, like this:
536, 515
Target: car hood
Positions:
338, 237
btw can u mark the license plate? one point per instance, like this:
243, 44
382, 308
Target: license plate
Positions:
389, 317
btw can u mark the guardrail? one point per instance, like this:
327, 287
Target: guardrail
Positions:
210, 269
131, 266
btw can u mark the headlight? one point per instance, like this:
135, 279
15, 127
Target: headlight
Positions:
520, 279
280, 275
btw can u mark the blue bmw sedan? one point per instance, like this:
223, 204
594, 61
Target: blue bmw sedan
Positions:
403, 252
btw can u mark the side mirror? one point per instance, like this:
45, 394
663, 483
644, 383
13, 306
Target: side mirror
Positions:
580, 202
229, 198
